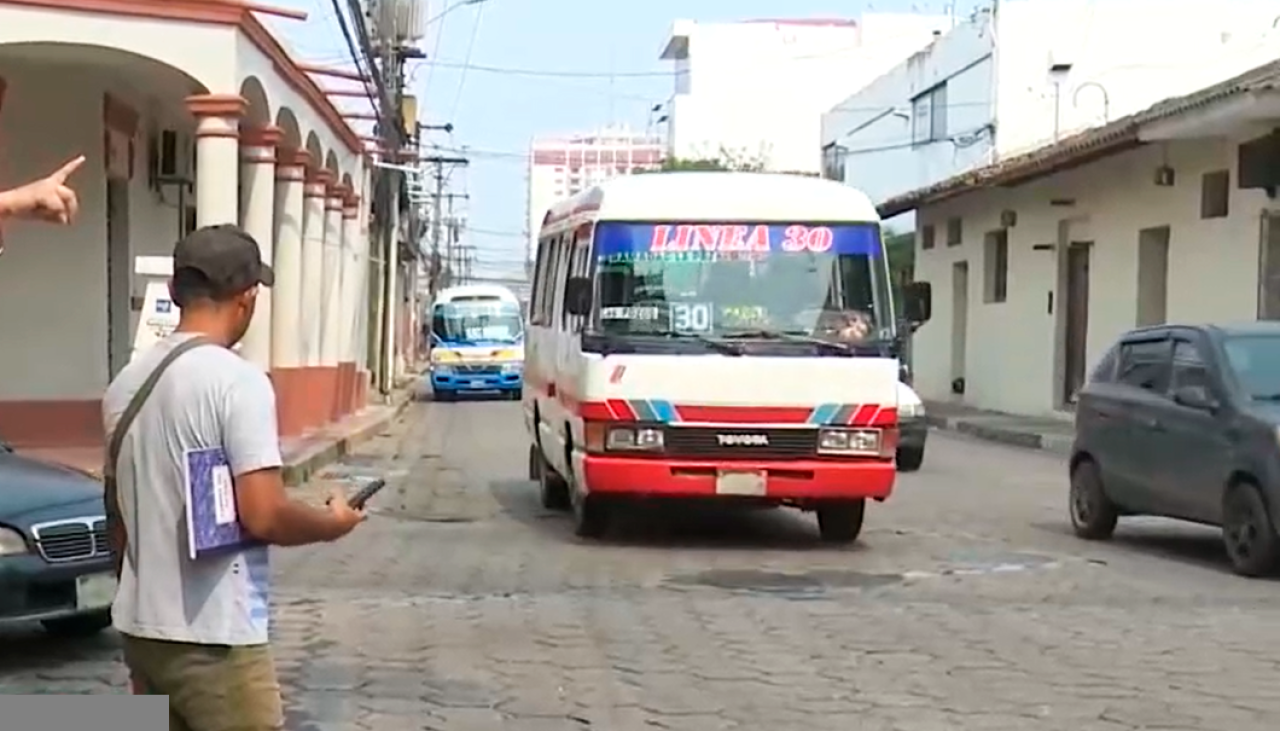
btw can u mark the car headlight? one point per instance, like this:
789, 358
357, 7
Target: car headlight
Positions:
443, 369
911, 411
643, 439
849, 441
510, 368
12, 543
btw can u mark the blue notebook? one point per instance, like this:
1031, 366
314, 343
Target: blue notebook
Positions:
213, 525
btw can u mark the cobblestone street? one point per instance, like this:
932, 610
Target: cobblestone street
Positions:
967, 604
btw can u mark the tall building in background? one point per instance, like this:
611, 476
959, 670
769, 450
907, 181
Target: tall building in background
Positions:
563, 166
755, 91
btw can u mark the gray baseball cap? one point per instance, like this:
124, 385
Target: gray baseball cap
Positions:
226, 255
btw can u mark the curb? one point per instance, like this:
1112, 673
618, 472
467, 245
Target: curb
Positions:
1052, 443
301, 469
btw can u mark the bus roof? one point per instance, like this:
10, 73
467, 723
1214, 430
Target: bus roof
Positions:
476, 291
715, 196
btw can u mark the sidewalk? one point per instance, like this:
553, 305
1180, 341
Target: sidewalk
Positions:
302, 455
1049, 433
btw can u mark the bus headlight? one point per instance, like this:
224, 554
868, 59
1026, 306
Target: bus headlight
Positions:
442, 369
629, 439
849, 441
509, 369
910, 410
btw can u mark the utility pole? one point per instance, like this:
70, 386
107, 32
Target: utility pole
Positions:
451, 237
437, 214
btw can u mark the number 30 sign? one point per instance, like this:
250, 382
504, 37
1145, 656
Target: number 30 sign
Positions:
691, 317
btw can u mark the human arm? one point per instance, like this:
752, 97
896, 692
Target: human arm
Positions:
252, 444
117, 539
48, 199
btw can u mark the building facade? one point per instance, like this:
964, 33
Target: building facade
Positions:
1039, 262
562, 166
189, 114
1011, 80
754, 91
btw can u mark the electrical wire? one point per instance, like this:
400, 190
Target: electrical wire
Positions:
435, 51
466, 64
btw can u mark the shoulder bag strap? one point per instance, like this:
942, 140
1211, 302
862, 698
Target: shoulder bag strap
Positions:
111, 497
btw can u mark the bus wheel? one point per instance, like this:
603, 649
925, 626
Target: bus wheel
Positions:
841, 521
590, 515
553, 490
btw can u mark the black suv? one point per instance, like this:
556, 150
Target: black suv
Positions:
1184, 422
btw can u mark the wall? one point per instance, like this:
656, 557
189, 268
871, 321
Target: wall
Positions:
759, 89
1011, 355
53, 279
1183, 45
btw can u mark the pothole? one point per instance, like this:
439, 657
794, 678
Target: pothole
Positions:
788, 584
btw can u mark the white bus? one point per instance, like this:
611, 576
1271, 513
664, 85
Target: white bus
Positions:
723, 336
477, 342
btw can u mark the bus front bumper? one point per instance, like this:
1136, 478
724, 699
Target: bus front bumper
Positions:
456, 381
768, 480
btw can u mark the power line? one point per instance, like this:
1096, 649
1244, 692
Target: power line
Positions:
466, 64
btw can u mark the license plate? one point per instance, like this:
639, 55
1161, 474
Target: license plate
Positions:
477, 384
750, 484
95, 591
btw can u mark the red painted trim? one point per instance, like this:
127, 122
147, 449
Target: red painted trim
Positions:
790, 479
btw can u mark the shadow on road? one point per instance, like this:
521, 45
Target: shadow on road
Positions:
28, 649
671, 524
1167, 540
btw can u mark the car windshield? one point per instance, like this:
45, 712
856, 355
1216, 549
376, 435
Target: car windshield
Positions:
1255, 360
477, 322
744, 280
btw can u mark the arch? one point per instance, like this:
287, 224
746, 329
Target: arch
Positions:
346, 180
314, 147
287, 121
159, 78
258, 113
331, 163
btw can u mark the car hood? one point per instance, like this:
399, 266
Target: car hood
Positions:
29, 487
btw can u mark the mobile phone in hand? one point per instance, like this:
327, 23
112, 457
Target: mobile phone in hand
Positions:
358, 500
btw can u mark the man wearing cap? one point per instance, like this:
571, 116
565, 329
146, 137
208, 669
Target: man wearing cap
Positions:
196, 629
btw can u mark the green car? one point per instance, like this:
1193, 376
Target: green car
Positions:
55, 565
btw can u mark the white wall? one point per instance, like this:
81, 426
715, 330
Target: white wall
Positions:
1137, 51
758, 90
1011, 353
53, 280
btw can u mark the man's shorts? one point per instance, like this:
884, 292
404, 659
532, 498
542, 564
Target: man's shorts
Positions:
210, 687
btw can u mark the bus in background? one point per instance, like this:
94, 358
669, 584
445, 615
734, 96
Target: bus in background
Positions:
477, 342
717, 336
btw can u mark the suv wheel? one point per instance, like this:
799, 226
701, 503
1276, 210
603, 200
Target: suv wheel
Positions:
1093, 515
1247, 532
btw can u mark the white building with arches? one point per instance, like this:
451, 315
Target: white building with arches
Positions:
190, 113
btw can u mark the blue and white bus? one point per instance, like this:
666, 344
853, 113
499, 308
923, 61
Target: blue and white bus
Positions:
477, 342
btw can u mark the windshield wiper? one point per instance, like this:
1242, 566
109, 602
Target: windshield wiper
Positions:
719, 346
1267, 397
793, 337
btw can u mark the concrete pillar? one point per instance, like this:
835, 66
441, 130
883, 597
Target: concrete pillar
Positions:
217, 156
330, 303
257, 213
288, 358
364, 287
315, 192
351, 309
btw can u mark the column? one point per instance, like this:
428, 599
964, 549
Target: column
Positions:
258, 211
364, 288
217, 156
315, 192
288, 359
330, 304
349, 313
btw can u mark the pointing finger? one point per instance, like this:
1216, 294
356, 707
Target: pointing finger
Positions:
64, 172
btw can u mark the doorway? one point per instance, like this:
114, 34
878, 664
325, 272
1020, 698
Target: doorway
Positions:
1076, 331
1153, 276
1269, 267
959, 318
119, 277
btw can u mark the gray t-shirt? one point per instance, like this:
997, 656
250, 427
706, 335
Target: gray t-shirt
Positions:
209, 397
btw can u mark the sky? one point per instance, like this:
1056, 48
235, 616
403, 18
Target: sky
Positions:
506, 71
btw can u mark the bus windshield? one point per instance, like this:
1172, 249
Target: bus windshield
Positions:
827, 281
477, 322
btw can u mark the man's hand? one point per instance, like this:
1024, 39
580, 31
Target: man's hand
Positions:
48, 199
344, 516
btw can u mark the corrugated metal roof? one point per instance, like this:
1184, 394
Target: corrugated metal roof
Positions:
1086, 146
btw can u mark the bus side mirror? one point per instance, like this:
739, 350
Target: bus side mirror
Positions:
917, 302
577, 296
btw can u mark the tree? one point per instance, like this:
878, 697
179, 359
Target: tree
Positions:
900, 250
725, 160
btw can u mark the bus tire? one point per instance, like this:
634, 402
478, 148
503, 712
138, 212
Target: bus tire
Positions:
590, 515
553, 490
840, 521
